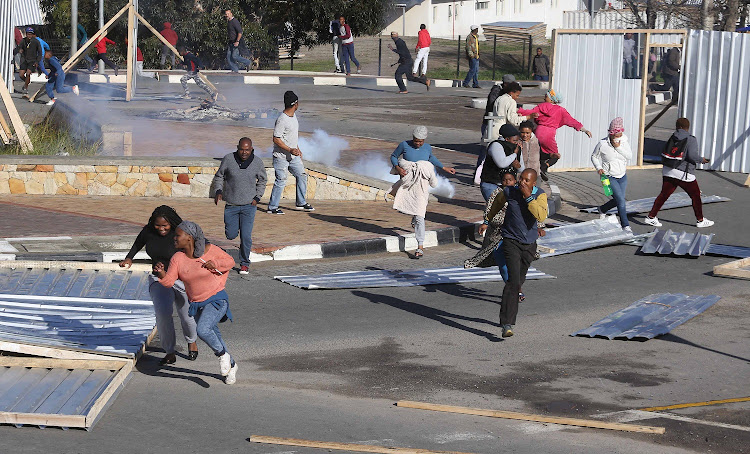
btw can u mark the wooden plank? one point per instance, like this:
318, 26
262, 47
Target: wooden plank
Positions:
4, 124
747, 182
15, 119
59, 352
41, 419
644, 99
342, 446
554, 59
52, 363
105, 396
130, 52
737, 269
529, 417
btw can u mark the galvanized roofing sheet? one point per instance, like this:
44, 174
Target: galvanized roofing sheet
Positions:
676, 200
677, 243
649, 317
729, 251
27, 12
584, 235
399, 278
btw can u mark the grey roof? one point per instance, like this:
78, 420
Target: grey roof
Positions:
676, 200
682, 243
399, 278
583, 235
649, 317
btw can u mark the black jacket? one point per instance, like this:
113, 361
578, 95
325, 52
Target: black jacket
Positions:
31, 50
491, 173
404, 56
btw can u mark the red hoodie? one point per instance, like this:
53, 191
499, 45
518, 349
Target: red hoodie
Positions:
101, 45
423, 39
169, 34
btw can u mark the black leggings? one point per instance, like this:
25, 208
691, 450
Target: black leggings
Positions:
546, 161
107, 61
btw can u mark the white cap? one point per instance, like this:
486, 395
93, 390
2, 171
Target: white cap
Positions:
420, 132
474, 27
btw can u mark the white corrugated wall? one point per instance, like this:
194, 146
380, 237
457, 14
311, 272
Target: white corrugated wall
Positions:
26, 12
7, 42
609, 20
715, 97
588, 74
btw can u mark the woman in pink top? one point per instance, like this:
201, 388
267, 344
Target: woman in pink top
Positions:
203, 268
551, 117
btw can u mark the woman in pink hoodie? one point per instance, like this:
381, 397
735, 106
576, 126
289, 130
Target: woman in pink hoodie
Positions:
552, 116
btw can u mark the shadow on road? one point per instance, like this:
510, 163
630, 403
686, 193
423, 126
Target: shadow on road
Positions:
680, 340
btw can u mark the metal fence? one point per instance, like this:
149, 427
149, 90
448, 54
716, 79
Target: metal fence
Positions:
715, 97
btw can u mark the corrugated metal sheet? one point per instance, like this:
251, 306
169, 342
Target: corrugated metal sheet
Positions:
666, 38
676, 200
610, 20
584, 235
726, 250
26, 12
94, 311
398, 278
7, 43
649, 317
716, 97
682, 243
588, 74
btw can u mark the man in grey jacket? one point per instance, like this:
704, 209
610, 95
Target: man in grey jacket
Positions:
240, 182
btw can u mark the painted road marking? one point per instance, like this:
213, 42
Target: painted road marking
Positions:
638, 415
698, 404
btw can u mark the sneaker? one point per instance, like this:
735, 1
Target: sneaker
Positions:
627, 229
602, 216
274, 211
507, 330
51, 102
305, 207
465, 85
475, 86
76, 90
244, 269
359, 69
25, 91
157, 77
653, 221
225, 363
419, 253
403, 92
544, 175
704, 223
232, 375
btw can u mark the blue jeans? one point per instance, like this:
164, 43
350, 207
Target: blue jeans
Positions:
207, 320
487, 189
347, 52
234, 57
500, 260
619, 185
543, 78
296, 168
58, 83
239, 220
473, 72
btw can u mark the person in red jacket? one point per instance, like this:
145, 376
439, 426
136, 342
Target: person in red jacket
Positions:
101, 50
423, 51
347, 46
139, 65
171, 38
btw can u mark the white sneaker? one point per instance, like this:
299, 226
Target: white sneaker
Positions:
652, 221
602, 216
76, 90
704, 223
225, 363
232, 375
51, 102
627, 229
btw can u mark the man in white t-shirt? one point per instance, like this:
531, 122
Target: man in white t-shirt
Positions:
287, 155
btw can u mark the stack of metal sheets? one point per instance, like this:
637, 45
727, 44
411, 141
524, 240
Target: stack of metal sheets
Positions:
584, 235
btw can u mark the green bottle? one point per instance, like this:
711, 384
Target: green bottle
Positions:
605, 185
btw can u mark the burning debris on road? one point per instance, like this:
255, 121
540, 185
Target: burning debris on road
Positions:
210, 110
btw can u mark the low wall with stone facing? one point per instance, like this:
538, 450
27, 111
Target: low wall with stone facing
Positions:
153, 177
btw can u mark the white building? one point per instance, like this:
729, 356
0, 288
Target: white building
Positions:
451, 18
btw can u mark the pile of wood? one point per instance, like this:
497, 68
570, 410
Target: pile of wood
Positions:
516, 31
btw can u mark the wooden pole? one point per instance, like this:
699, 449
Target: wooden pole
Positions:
342, 446
15, 119
130, 52
554, 57
644, 100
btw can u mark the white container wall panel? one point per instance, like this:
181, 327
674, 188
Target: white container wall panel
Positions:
26, 12
588, 74
715, 97
7, 42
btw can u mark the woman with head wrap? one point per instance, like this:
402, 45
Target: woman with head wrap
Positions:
552, 116
503, 156
203, 268
414, 162
158, 238
610, 158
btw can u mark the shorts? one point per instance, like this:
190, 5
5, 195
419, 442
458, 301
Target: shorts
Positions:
30, 65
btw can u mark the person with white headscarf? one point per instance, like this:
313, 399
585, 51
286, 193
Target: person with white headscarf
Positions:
414, 162
203, 268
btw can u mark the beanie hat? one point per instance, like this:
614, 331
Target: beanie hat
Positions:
508, 78
616, 126
290, 99
508, 130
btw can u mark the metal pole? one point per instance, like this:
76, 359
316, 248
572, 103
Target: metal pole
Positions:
101, 25
403, 20
380, 53
73, 26
494, 54
458, 56
531, 45
135, 48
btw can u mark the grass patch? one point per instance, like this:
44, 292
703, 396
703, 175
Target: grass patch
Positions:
48, 140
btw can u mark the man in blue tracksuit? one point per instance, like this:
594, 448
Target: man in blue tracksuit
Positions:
56, 78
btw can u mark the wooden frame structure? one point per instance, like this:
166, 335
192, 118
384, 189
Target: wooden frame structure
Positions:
739, 269
15, 119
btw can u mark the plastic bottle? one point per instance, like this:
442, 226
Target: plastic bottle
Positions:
605, 185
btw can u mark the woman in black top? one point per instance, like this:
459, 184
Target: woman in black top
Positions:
158, 238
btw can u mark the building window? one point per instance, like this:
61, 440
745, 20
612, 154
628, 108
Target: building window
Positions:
499, 7
517, 6
483, 5
450, 12
434, 14
455, 11
535, 1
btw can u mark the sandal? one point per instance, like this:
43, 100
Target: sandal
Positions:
418, 253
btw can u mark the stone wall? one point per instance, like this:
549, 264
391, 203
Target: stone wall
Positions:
191, 178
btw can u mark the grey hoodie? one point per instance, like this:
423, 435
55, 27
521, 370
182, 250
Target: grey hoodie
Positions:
240, 186
692, 154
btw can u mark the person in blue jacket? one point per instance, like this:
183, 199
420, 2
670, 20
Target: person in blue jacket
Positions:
56, 78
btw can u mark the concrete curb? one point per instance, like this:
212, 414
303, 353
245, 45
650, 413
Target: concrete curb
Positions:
659, 97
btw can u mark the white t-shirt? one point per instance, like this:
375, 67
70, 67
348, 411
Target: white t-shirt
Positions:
677, 174
287, 129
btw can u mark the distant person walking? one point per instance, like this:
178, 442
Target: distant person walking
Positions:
334, 28
203, 268
193, 66
240, 182
234, 36
31, 53
629, 57
423, 51
157, 236
541, 66
405, 65
56, 78
101, 51
18, 37
472, 54
347, 46
287, 155
171, 37
552, 116
82, 38
139, 71
679, 158
670, 72
610, 157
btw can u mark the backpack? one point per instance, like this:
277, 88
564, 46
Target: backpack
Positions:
674, 152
